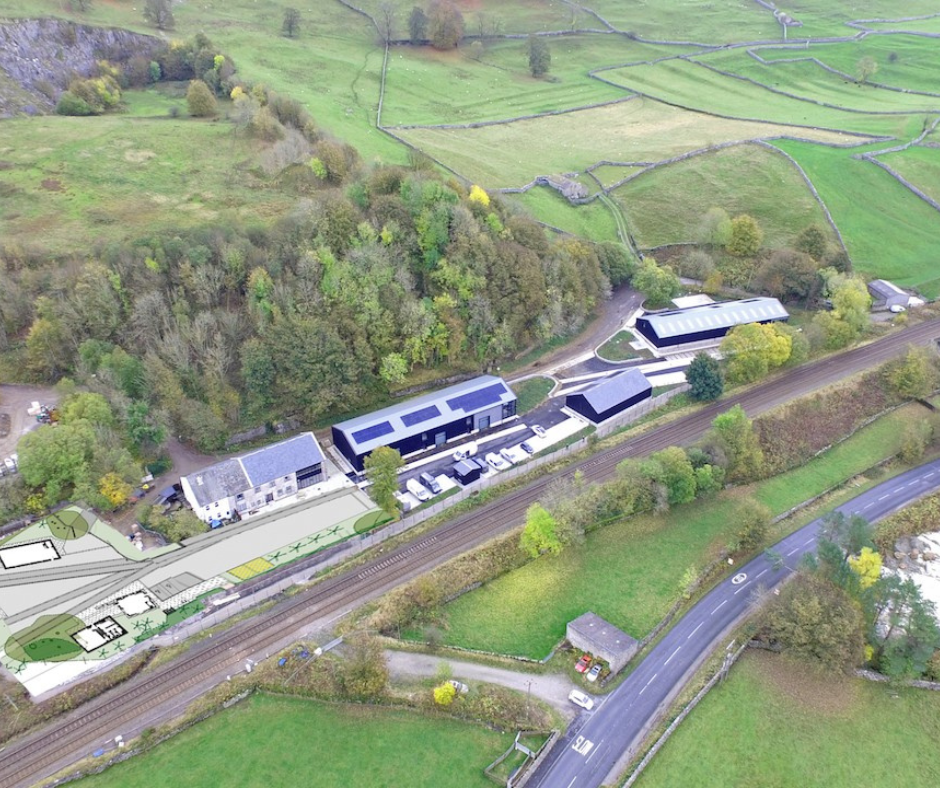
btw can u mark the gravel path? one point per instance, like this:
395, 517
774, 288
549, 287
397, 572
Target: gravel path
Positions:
553, 688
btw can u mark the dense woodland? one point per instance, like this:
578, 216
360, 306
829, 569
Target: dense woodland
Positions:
376, 272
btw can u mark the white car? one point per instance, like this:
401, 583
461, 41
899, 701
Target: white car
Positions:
10, 464
580, 699
418, 490
896, 309
538, 430
465, 451
496, 462
461, 688
507, 455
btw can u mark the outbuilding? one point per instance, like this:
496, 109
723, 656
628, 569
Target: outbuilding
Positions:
601, 639
611, 396
708, 322
885, 294
467, 471
429, 420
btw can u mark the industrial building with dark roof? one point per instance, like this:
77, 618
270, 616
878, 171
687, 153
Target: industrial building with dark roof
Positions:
248, 483
429, 420
611, 396
712, 321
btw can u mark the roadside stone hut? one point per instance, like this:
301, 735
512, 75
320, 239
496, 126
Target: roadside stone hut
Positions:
602, 639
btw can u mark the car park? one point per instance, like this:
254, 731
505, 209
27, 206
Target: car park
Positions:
594, 672
580, 699
496, 462
430, 482
507, 455
527, 447
584, 663
418, 490
538, 430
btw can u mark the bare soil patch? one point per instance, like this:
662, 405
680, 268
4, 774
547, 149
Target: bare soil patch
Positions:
52, 185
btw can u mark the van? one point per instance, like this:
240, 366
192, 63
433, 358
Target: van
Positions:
430, 482
418, 490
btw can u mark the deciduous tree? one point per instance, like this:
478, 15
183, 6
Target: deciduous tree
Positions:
540, 533
160, 14
734, 433
417, 26
382, 467
753, 349
540, 56
746, 236
199, 99
445, 24
444, 694
866, 68
364, 671
659, 285
677, 474
290, 27
914, 376
867, 566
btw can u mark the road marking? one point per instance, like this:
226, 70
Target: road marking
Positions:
884, 496
695, 630
742, 588
867, 506
807, 542
930, 475
762, 573
573, 780
795, 549
582, 746
724, 602
672, 655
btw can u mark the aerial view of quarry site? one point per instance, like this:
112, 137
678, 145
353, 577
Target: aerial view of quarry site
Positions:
449, 393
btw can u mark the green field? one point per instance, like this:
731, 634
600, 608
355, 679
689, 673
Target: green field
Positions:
618, 348
666, 205
920, 166
899, 240
68, 182
691, 85
810, 82
774, 723
593, 221
284, 742
636, 130
629, 572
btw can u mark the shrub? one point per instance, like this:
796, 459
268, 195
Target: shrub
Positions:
70, 104
199, 99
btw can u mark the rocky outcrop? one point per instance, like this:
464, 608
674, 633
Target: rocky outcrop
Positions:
38, 57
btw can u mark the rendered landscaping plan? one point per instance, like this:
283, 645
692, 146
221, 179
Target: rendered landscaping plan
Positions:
453, 393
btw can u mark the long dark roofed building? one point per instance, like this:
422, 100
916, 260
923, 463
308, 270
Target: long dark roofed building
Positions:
713, 321
429, 420
611, 396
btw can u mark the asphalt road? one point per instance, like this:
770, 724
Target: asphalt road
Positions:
610, 735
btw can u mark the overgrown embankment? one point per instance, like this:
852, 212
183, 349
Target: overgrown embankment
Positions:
38, 58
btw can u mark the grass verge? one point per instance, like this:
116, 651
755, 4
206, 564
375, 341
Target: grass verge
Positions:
531, 393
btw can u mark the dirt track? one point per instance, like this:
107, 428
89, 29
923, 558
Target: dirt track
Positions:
14, 400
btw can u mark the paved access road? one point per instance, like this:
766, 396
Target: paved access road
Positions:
611, 733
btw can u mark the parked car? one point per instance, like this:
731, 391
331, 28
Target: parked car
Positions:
430, 482
10, 464
580, 699
170, 494
538, 430
507, 455
527, 447
496, 462
584, 663
461, 688
467, 450
896, 309
594, 672
418, 490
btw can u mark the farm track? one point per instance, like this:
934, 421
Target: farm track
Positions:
75, 735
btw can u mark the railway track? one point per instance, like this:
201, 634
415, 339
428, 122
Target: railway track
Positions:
76, 734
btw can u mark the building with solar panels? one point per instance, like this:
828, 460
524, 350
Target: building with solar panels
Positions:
611, 396
255, 480
426, 421
703, 323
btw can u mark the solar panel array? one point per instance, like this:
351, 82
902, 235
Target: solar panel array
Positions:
423, 414
474, 400
373, 432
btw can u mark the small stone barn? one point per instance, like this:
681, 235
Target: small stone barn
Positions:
602, 639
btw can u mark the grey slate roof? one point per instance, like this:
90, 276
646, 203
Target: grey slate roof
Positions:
258, 467
591, 626
612, 391
424, 413
888, 293
726, 314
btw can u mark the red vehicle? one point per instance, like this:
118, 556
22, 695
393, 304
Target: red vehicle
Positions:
583, 664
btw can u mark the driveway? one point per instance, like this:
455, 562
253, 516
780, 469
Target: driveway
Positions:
14, 400
553, 688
